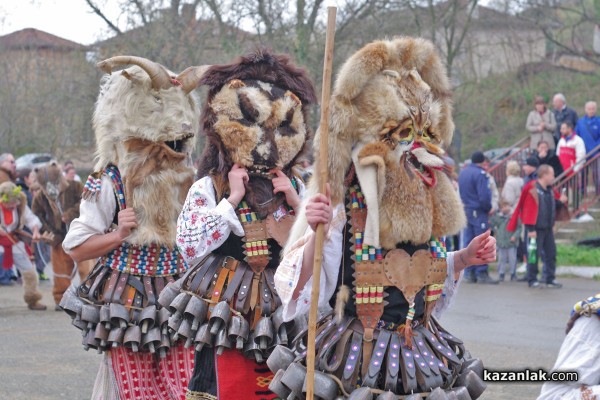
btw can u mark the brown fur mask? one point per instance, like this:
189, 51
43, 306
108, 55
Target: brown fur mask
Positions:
391, 111
51, 180
255, 116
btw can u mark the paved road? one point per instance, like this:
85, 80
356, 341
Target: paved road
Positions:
508, 326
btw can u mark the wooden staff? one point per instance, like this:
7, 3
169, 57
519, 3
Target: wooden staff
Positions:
323, 178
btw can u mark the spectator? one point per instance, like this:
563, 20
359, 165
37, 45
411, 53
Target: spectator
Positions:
14, 215
513, 185
506, 242
25, 177
588, 127
562, 113
57, 204
493, 187
541, 123
537, 212
476, 195
570, 149
8, 168
530, 169
547, 156
70, 172
580, 351
41, 250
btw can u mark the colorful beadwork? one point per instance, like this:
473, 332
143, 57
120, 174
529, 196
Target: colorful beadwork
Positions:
362, 252
433, 292
148, 260
589, 306
437, 246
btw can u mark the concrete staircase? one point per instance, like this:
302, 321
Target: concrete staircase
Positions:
571, 232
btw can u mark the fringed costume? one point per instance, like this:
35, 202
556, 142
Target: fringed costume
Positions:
385, 272
145, 121
226, 305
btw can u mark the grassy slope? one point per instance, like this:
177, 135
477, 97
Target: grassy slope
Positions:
492, 113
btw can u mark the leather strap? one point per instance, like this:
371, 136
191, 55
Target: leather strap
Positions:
159, 285
234, 283
121, 284
367, 351
393, 364
372, 376
440, 347
408, 370
217, 289
428, 372
208, 277
150, 292
110, 286
350, 375
245, 289
269, 276
255, 293
201, 271
93, 294
328, 345
265, 296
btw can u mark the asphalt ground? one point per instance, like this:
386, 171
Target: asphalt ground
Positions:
509, 326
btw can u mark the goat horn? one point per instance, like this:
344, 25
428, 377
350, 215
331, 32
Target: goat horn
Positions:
159, 76
191, 76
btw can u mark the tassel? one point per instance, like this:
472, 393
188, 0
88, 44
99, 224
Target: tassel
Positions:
408, 332
343, 295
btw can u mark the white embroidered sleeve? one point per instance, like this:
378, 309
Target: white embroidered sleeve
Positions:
204, 225
95, 216
288, 272
450, 288
31, 220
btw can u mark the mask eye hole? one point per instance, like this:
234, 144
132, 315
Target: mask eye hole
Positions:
248, 111
405, 134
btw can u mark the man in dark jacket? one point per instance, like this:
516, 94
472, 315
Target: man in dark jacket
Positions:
537, 211
562, 113
476, 195
547, 156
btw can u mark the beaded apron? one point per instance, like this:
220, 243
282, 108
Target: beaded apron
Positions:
227, 303
363, 351
117, 304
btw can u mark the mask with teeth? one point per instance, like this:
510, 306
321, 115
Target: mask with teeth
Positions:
255, 116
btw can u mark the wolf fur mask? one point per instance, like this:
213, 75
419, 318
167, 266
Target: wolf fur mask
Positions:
145, 121
255, 116
390, 118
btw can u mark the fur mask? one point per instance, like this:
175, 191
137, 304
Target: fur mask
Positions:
390, 118
51, 180
255, 116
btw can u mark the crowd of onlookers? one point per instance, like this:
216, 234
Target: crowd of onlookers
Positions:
522, 216
26, 242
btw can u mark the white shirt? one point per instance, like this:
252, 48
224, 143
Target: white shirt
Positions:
579, 352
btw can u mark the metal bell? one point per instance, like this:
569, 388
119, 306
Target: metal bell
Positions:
147, 318
280, 358
252, 351
437, 394
133, 337
168, 294
178, 305
263, 333
279, 388
175, 321
101, 334
90, 314
280, 326
475, 365
115, 337
222, 341
387, 396
79, 324
89, 341
119, 316
219, 317
461, 393
238, 331
151, 340
196, 310
105, 316
71, 303
162, 320
184, 331
324, 387
363, 393
165, 345
294, 378
475, 385
415, 396
203, 337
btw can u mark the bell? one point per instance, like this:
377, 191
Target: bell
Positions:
238, 331
387, 396
105, 316
222, 341
164, 346
324, 387
71, 303
196, 311
89, 341
101, 334
151, 340
263, 333
294, 378
133, 337
90, 314
175, 321
119, 316
280, 358
279, 388
79, 324
178, 305
219, 317
115, 337
437, 394
168, 294
279, 325
147, 318
203, 337
162, 320
184, 331
252, 351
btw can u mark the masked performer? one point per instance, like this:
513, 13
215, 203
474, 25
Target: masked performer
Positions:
57, 204
15, 216
235, 220
145, 123
384, 261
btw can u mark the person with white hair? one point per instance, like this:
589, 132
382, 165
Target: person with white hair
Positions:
562, 113
588, 127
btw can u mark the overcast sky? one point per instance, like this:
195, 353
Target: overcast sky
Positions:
69, 19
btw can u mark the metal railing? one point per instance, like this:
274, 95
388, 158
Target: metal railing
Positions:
518, 151
581, 185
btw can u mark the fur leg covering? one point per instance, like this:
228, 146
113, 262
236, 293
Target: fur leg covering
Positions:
31, 294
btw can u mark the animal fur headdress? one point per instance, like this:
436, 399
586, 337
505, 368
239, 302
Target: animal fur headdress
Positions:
390, 118
255, 116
